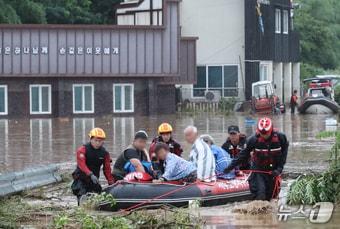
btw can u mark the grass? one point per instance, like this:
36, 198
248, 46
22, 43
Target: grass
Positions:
15, 212
325, 187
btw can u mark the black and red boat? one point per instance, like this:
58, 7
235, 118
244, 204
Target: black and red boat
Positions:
319, 96
135, 192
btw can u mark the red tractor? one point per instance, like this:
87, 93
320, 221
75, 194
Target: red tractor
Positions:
264, 100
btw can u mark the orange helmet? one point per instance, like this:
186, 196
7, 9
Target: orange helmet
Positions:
265, 126
97, 133
164, 128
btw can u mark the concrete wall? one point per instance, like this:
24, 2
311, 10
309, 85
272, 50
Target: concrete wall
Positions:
219, 24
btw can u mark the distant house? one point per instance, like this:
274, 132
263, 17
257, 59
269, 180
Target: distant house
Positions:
87, 70
241, 42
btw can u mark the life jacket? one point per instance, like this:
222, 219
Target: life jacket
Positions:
293, 100
267, 152
235, 150
94, 158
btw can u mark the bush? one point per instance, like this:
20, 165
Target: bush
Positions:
337, 94
310, 189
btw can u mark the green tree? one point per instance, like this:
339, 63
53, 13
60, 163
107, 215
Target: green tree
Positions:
8, 14
30, 12
318, 22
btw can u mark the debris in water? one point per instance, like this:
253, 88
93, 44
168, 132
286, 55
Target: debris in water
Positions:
255, 207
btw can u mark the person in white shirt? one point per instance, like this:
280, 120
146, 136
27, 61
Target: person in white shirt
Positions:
201, 155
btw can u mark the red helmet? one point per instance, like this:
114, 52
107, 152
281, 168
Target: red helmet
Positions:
265, 126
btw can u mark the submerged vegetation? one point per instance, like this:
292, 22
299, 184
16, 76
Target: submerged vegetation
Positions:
325, 187
15, 212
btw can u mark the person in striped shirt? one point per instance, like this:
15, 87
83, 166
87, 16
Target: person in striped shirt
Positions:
201, 155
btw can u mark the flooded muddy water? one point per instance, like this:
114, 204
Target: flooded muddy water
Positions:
29, 142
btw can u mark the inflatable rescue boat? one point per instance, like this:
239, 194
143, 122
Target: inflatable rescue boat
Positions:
137, 192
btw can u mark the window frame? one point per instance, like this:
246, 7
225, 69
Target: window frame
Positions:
223, 88
285, 24
123, 85
83, 98
5, 87
278, 22
40, 86
264, 66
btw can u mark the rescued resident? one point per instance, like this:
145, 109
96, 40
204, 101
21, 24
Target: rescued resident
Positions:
175, 167
222, 158
200, 155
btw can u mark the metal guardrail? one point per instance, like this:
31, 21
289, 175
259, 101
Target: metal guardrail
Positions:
14, 182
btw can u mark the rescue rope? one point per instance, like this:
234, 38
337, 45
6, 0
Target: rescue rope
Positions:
276, 188
277, 182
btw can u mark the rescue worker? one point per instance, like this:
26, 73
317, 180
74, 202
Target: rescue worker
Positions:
222, 158
90, 158
234, 144
293, 102
134, 159
268, 150
165, 136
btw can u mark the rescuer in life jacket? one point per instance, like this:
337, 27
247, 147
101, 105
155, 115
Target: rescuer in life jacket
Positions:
268, 152
234, 144
135, 158
90, 158
165, 136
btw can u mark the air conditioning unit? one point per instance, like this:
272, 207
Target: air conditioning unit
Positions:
213, 96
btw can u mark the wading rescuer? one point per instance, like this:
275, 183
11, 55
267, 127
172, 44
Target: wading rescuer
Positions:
268, 152
90, 158
234, 144
165, 136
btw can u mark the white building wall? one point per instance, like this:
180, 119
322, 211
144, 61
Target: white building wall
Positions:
219, 24
287, 74
296, 77
278, 78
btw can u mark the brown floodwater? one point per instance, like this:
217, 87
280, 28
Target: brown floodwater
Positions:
30, 142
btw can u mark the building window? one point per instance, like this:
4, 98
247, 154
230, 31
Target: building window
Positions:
83, 98
285, 21
277, 21
264, 72
40, 99
123, 98
3, 99
223, 79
